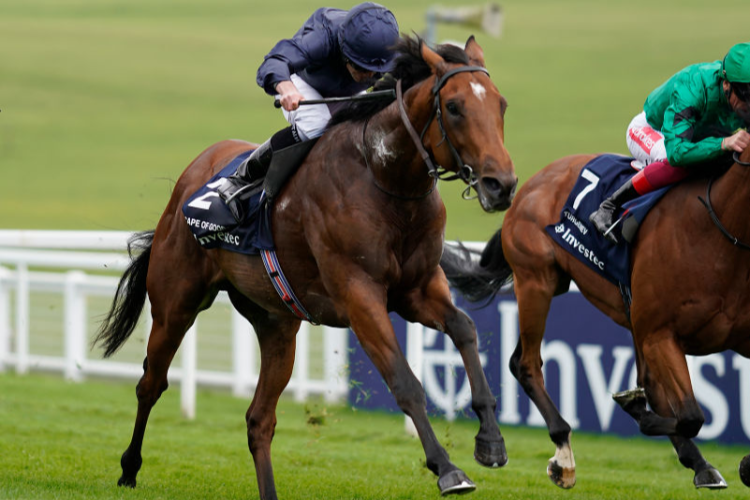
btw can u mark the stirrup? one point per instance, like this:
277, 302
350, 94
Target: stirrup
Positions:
237, 192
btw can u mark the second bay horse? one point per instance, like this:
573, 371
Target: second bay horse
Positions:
690, 295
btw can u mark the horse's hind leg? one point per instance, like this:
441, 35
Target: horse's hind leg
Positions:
277, 340
433, 307
173, 311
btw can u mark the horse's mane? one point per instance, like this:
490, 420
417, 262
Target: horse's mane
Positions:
409, 67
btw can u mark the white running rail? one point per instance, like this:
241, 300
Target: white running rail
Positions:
64, 262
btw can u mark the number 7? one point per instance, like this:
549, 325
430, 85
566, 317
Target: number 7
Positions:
594, 181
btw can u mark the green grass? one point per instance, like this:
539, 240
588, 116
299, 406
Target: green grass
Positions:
103, 104
64, 441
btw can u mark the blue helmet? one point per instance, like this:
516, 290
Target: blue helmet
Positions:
366, 36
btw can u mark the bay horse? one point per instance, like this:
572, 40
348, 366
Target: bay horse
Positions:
358, 231
690, 295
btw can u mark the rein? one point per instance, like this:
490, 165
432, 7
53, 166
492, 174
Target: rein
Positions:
465, 172
374, 181
707, 203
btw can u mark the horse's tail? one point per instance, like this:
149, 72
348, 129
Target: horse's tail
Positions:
478, 276
129, 297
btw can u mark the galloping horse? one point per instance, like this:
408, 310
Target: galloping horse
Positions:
359, 232
690, 295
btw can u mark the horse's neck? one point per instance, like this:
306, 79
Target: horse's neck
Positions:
730, 197
392, 154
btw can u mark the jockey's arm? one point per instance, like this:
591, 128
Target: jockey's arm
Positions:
686, 107
312, 44
289, 96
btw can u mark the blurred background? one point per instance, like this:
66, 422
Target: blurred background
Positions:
104, 103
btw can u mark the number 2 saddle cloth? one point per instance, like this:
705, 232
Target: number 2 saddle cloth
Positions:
598, 180
212, 223
213, 226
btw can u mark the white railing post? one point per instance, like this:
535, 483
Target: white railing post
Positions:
188, 380
301, 372
415, 357
4, 318
335, 343
243, 355
75, 325
22, 319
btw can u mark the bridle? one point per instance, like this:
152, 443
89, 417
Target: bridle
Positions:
715, 218
465, 172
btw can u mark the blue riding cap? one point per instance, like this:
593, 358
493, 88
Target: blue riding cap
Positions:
366, 36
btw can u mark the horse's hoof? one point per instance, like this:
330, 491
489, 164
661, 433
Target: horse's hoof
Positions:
709, 478
126, 481
745, 471
626, 398
455, 483
490, 453
564, 477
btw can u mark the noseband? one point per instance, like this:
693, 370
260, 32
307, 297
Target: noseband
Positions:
465, 172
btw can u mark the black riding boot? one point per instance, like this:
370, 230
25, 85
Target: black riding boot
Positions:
254, 168
602, 218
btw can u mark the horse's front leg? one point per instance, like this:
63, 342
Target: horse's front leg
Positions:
668, 389
633, 401
365, 305
432, 306
534, 295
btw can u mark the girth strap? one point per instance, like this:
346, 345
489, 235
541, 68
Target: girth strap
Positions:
271, 262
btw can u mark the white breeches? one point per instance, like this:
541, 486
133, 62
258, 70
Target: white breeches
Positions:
644, 142
309, 121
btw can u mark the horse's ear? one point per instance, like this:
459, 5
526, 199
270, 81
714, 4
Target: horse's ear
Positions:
431, 57
474, 51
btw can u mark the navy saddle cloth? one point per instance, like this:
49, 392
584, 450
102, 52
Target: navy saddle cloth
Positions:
212, 223
598, 180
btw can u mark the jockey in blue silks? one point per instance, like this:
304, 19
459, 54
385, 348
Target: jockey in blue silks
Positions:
336, 53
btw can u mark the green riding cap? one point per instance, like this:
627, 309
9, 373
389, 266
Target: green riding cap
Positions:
736, 65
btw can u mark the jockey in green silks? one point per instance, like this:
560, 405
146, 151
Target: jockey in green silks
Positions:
697, 116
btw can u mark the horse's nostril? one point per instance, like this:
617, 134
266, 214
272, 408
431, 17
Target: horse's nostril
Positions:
492, 185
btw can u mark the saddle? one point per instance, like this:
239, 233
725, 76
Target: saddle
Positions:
574, 233
210, 220
284, 163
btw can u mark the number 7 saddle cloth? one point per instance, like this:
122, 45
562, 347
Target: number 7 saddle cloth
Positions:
599, 179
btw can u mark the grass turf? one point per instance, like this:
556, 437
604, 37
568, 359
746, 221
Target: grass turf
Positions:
62, 440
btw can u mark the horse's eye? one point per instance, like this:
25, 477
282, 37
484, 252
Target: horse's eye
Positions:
452, 108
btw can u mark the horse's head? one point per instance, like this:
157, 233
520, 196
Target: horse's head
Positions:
466, 135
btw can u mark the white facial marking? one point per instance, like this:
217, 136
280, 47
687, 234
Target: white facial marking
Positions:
479, 90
